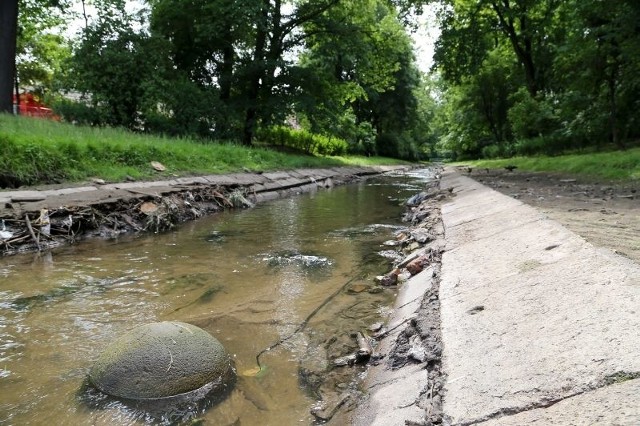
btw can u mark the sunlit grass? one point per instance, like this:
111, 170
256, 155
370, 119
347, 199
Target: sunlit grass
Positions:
36, 151
616, 165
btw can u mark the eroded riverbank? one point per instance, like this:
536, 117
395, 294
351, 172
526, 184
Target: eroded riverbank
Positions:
34, 220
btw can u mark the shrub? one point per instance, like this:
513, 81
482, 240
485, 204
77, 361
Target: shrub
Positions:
532, 117
78, 112
302, 140
492, 151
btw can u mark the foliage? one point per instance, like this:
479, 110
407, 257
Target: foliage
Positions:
303, 141
76, 112
510, 77
224, 69
359, 79
475, 114
530, 117
111, 66
537, 76
39, 51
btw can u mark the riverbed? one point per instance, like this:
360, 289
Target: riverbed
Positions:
248, 277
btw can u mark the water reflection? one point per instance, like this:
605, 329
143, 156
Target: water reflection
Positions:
59, 310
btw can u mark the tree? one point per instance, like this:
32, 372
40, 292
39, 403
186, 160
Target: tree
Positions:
527, 24
40, 50
275, 35
111, 66
18, 35
237, 48
8, 32
599, 71
359, 78
471, 29
208, 43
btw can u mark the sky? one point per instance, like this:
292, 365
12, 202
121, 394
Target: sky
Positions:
424, 39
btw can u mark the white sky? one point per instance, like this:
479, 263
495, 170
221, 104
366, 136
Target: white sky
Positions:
424, 39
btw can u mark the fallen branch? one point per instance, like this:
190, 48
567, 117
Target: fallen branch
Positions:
33, 234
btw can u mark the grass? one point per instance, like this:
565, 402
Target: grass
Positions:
34, 151
616, 165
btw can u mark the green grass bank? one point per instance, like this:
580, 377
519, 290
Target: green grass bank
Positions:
34, 151
615, 165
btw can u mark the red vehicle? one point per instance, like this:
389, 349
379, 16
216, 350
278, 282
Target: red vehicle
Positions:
31, 106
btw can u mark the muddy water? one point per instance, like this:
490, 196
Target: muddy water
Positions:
250, 278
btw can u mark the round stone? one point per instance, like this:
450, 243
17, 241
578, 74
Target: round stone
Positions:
161, 360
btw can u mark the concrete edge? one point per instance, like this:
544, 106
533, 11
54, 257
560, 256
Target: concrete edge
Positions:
57, 208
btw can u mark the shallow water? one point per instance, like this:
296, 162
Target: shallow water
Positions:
250, 278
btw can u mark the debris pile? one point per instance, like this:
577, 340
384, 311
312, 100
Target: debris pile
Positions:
143, 213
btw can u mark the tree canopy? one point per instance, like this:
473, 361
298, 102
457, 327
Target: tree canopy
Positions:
509, 76
538, 76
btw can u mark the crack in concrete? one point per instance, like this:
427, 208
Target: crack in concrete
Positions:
503, 230
617, 377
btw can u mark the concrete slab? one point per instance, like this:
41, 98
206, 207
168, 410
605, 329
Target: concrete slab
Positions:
22, 196
531, 313
276, 175
66, 191
605, 406
393, 398
392, 394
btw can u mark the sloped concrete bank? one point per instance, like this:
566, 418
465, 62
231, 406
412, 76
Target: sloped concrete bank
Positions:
534, 324
38, 219
538, 325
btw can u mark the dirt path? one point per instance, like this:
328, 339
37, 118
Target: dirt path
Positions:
607, 214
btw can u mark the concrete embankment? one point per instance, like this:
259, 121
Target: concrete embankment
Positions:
37, 219
538, 326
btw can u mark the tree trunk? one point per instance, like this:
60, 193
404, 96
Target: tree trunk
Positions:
613, 108
521, 42
223, 125
8, 32
257, 74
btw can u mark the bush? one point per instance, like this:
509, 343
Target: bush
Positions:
302, 140
531, 117
77, 112
531, 146
492, 151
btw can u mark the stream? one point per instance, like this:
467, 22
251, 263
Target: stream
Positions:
248, 277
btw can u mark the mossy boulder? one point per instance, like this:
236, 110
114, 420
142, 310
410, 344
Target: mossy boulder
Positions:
161, 360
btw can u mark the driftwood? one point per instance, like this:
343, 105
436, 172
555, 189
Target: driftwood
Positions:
362, 355
69, 223
33, 234
364, 348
